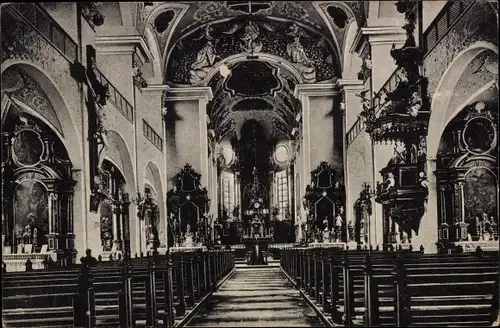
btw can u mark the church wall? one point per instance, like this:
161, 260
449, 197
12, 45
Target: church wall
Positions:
325, 133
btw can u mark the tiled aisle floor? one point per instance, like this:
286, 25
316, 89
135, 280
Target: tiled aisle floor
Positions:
256, 297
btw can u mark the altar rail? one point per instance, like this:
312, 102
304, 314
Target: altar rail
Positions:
152, 291
399, 288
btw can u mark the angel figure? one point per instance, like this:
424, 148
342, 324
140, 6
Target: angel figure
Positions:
250, 43
299, 57
205, 58
415, 104
390, 181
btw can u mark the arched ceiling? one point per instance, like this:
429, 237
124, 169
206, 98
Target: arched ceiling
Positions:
255, 90
325, 21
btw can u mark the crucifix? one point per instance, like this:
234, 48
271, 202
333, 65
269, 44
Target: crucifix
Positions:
97, 94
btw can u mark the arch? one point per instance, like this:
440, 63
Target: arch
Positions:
72, 138
268, 58
441, 115
183, 8
125, 160
155, 51
349, 57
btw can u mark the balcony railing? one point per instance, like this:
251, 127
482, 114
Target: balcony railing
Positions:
38, 19
443, 22
359, 125
116, 98
151, 135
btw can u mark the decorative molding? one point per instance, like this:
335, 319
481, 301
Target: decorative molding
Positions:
189, 93
351, 85
161, 88
317, 89
378, 35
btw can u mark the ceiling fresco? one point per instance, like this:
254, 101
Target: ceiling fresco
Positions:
254, 90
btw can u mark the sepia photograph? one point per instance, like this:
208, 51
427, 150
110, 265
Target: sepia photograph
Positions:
250, 164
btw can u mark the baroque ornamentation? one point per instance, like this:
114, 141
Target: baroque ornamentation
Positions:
90, 12
207, 11
307, 51
31, 94
477, 24
22, 42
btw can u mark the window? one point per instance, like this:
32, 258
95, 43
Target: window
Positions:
282, 184
228, 194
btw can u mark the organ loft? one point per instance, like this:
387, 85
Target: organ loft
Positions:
185, 163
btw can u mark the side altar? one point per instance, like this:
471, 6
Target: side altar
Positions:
188, 205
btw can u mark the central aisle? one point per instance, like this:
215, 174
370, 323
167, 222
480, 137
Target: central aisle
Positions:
256, 297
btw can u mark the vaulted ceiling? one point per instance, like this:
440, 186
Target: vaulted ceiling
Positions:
267, 47
171, 22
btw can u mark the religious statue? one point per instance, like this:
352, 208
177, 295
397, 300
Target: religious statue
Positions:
422, 180
188, 237
338, 226
390, 182
350, 230
205, 59
298, 55
250, 43
415, 104
326, 231
362, 233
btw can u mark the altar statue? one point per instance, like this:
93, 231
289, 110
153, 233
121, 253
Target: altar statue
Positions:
338, 226
298, 55
205, 59
188, 237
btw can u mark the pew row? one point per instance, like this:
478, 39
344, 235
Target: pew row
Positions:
157, 291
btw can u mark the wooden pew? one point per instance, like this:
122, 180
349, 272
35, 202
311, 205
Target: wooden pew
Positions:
377, 288
133, 292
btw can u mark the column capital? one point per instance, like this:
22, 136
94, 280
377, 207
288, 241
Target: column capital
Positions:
317, 89
189, 93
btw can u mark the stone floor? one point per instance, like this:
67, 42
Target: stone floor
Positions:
256, 297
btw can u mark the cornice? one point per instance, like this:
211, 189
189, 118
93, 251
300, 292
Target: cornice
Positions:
156, 88
316, 89
189, 93
124, 44
352, 85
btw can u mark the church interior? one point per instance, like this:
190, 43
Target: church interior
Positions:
183, 163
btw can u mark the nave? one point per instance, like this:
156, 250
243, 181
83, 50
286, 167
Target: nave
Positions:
256, 297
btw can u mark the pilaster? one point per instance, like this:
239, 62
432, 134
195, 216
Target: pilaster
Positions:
189, 130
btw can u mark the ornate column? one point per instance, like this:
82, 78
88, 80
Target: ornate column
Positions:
8, 233
459, 209
116, 208
54, 218
124, 210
